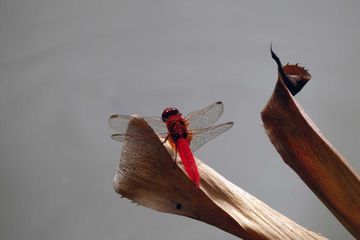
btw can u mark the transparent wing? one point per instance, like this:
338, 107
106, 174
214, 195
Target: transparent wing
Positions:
201, 136
118, 137
120, 123
206, 117
121, 137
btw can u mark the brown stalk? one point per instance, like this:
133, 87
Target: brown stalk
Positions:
307, 152
147, 176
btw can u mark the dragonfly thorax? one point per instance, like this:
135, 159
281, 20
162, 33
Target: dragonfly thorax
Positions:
176, 126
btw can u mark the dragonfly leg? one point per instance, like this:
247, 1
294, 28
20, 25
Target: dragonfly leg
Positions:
175, 156
165, 139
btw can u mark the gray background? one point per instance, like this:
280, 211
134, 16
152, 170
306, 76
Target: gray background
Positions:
66, 66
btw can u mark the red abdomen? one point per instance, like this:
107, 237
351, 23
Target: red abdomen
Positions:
188, 160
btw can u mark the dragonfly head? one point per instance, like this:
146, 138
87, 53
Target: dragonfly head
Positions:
169, 112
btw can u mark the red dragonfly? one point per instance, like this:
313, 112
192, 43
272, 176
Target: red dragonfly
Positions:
185, 135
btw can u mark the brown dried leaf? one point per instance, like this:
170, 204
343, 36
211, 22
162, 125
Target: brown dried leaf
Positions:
303, 147
146, 175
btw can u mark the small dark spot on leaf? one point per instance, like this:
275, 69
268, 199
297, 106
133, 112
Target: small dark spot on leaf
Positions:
178, 206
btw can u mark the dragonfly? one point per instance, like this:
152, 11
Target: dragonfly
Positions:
185, 134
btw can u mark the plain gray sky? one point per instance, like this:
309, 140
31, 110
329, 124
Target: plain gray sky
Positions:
66, 66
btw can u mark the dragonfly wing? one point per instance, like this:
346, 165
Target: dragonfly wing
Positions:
206, 117
121, 137
201, 136
120, 123
118, 137
156, 124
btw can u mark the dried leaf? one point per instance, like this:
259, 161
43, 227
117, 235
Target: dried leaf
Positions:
303, 147
147, 175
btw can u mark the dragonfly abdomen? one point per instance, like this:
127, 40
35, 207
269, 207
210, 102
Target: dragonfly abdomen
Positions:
188, 160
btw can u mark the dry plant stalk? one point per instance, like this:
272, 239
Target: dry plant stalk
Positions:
147, 176
308, 153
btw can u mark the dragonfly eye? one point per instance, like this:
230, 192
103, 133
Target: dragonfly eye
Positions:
169, 112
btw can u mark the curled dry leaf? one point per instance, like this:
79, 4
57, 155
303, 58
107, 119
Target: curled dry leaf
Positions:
303, 147
147, 176
293, 76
